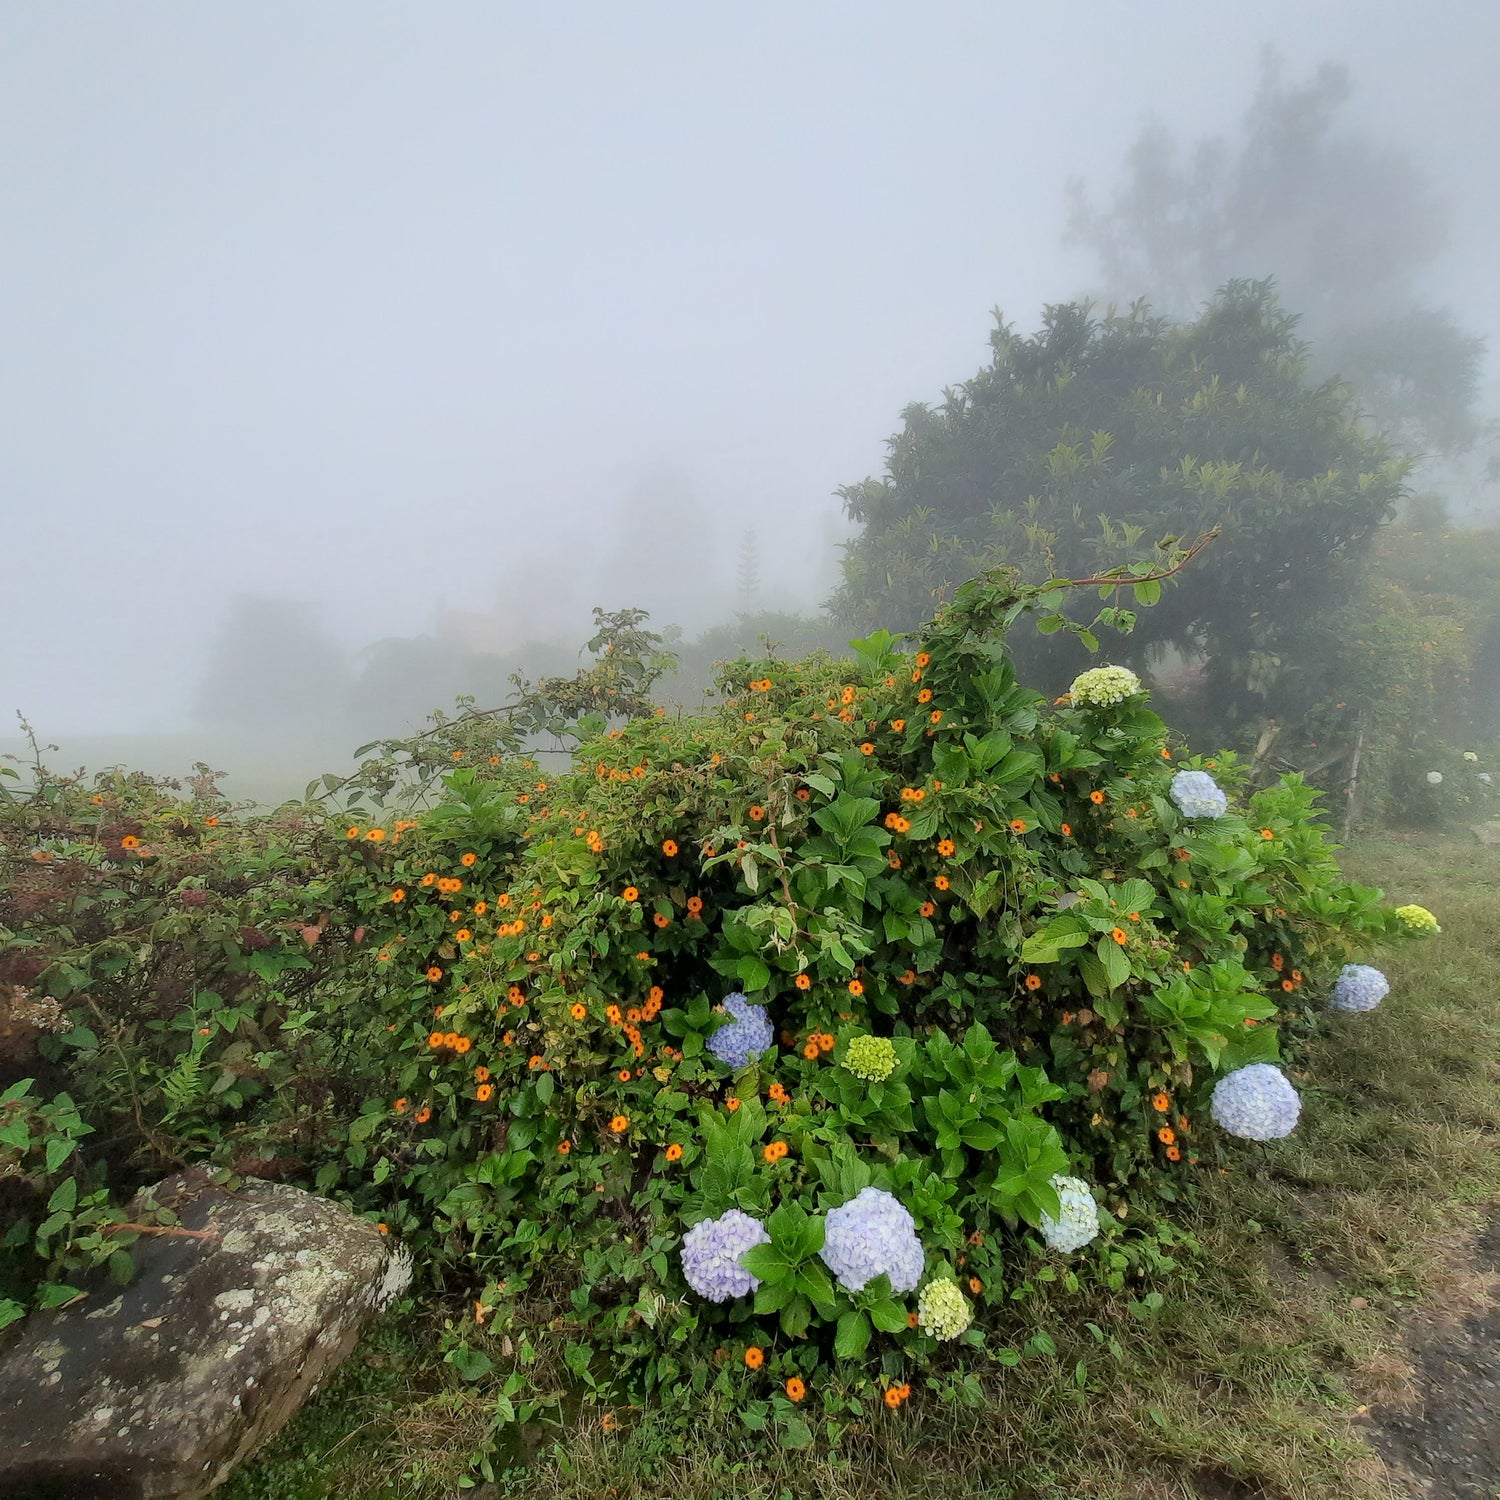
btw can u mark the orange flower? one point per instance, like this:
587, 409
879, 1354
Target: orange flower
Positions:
893, 859
619, 1124
481, 1074
1067, 830
776, 1094
898, 725
1288, 985
630, 894
936, 716
578, 1010
754, 1358
1018, 825
535, 1061
856, 987
661, 920
803, 795
130, 841
399, 1106
1174, 1153
463, 935
1277, 962
423, 1115
803, 981
927, 908
925, 696
462, 1044
731, 1105
623, 1075
1119, 935
893, 1397
428, 878
775, 1151
810, 1052
564, 1147
468, 861
674, 1152
434, 1038
1167, 1136
1161, 1104
867, 748
912, 1320
757, 812
516, 995
669, 848
1096, 798
946, 847
975, 1285
398, 895
350, 833
941, 882
612, 1015
909, 977
655, 995
694, 905
795, 1390
1266, 833
923, 658
826, 1041
434, 974
1033, 981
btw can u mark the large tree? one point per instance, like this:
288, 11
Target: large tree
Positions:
1347, 226
1077, 449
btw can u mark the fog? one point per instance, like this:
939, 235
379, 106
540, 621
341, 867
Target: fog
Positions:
451, 321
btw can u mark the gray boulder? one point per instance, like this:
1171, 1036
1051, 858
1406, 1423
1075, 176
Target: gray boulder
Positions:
163, 1387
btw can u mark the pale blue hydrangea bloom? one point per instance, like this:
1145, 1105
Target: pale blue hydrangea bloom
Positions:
1078, 1216
1256, 1103
1198, 795
869, 1236
711, 1253
1359, 988
1103, 687
750, 1032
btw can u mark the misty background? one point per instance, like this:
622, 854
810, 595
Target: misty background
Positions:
351, 353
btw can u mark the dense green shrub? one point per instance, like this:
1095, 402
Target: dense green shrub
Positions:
992, 952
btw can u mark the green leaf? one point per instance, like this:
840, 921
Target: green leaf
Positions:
889, 1316
10, 1312
55, 1293
1112, 957
59, 1149
64, 1197
853, 1336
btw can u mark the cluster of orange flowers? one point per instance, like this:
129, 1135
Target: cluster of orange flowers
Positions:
817, 1044
896, 1394
775, 1151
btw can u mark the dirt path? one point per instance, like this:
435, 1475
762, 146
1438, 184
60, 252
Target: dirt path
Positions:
1445, 1443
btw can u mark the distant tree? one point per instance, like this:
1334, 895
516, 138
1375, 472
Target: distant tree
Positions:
747, 572
1346, 227
1079, 448
272, 668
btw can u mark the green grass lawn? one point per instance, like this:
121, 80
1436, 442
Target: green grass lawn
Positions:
1240, 1373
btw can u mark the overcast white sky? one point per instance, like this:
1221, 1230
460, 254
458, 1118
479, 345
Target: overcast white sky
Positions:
411, 307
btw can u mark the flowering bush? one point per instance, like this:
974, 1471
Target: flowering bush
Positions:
1197, 795
755, 1028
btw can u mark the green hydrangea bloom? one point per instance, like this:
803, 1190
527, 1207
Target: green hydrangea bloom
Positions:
871, 1058
1418, 920
943, 1310
1103, 687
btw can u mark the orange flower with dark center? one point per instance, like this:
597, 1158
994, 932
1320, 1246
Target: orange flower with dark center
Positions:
661, 920
619, 1124
613, 1014
1167, 1136
630, 894
351, 833
776, 1094
1067, 830
1161, 1104
674, 1152
578, 1010
1033, 981
975, 1285
398, 895
941, 882
399, 1106
1119, 935
1277, 962
898, 725
468, 861
810, 1052
669, 848
1266, 833
775, 1151
803, 981
757, 812
462, 1045
923, 658
925, 696
463, 935
731, 1105
893, 1397
856, 987
946, 847
1096, 798
1288, 985
694, 905
434, 1038
481, 1074
423, 1115
909, 977
795, 1390
1018, 825
1174, 1153
564, 1147
434, 974
893, 859
754, 1358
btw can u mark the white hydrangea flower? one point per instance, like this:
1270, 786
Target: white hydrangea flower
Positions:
1103, 687
1434, 778
1077, 1219
943, 1310
1256, 1103
1471, 757
1198, 795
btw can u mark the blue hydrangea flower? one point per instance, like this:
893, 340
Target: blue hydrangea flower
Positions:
1197, 795
711, 1253
750, 1032
1256, 1103
872, 1235
1077, 1220
1359, 988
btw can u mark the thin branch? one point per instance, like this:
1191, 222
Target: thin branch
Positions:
1155, 575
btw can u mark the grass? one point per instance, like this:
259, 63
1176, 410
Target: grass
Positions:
1247, 1380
